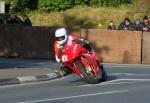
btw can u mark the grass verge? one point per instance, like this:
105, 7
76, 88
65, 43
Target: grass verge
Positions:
88, 17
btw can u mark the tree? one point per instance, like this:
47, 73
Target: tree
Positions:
22, 6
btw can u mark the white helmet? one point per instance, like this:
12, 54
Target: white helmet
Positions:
61, 35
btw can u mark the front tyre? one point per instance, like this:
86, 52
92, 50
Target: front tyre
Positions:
89, 78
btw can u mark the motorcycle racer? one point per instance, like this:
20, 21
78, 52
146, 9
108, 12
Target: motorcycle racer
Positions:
63, 40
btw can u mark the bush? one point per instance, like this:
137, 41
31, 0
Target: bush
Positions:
54, 5
109, 3
59, 5
81, 2
13, 4
22, 6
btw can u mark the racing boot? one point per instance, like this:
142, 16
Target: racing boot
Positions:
65, 71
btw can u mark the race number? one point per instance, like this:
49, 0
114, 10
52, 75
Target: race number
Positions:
64, 58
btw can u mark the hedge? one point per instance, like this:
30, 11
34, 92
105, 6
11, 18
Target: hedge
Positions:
59, 5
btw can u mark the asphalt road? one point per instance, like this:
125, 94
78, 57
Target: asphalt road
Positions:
126, 84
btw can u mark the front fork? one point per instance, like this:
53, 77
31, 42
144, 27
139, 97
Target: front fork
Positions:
75, 70
86, 65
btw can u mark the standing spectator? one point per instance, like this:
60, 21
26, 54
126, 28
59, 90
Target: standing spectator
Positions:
138, 25
13, 19
146, 24
26, 21
126, 25
111, 26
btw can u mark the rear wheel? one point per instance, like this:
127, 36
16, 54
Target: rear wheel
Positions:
89, 77
104, 74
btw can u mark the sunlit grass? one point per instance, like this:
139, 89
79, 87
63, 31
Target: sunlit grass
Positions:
88, 17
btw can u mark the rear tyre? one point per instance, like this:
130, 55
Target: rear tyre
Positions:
88, 78
104, 74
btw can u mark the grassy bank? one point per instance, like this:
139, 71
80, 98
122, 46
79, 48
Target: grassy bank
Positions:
88, 17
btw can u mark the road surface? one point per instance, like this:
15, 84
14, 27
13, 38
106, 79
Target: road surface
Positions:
126, 84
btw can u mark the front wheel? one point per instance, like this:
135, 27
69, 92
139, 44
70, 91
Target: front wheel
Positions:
89, 77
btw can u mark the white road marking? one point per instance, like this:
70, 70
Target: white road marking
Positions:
100, 83
106, 84
129, 66
118, 81
77, 96
52, 75
129, 74
27, 79
139, 80
126, 65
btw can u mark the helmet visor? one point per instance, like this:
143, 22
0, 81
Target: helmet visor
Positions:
60, 38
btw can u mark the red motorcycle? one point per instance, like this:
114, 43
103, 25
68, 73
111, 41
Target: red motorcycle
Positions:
82, 63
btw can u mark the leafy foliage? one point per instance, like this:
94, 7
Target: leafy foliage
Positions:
22, 6
109, 3
54, 5
13, 3
59, 5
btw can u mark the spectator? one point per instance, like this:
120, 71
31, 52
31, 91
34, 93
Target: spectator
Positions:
146, 24
26, 21
13, 19
111, 26
138, 25
126, 25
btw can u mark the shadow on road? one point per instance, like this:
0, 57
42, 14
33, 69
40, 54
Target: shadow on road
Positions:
110, 78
